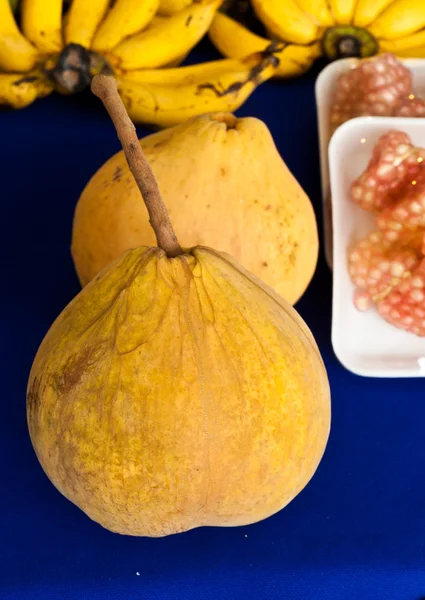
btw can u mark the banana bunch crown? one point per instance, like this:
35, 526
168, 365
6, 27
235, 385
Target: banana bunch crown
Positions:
309, 29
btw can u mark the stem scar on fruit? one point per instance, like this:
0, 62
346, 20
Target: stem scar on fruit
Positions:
105, 88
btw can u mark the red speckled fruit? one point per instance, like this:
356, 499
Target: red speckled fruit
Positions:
375, 266
404, 306
388, 266
394, 164
375, 87
411, 106
405, 222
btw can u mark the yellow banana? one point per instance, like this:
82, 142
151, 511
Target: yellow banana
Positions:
368, 10
41, 22
416, 40
18, 90
175, 63
125, 18
286, 20
235, 41
157, 19
296, 60
343, 10
418, 52
401, 18
191, 74
171, 7
166, 41
318, 11
165, 105
83, 20
16, 52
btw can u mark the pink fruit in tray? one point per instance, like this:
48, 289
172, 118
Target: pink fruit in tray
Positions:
394, 164
411, 106
388, 266
380, 86
376, 86
375, 265
405, 221
404, 306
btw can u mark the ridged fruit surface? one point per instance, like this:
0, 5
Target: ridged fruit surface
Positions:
176, 393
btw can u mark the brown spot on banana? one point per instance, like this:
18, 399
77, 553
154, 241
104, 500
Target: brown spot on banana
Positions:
26, 79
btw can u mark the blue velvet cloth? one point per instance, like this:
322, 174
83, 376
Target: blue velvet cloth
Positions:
357, 532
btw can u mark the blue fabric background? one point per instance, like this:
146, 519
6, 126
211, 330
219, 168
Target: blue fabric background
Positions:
356, 532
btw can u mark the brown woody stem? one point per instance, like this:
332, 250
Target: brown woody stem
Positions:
105, 88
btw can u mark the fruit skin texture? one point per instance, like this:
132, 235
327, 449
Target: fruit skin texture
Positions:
176, 393
224, 183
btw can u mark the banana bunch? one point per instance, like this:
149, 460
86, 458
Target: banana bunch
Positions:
62, 45
334, 29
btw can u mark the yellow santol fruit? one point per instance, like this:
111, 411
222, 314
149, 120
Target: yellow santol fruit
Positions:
176, 390
224, 184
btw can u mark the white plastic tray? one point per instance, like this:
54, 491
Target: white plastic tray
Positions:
325, 87
363, 341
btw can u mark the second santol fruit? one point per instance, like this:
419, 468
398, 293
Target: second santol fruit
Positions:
225, 185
